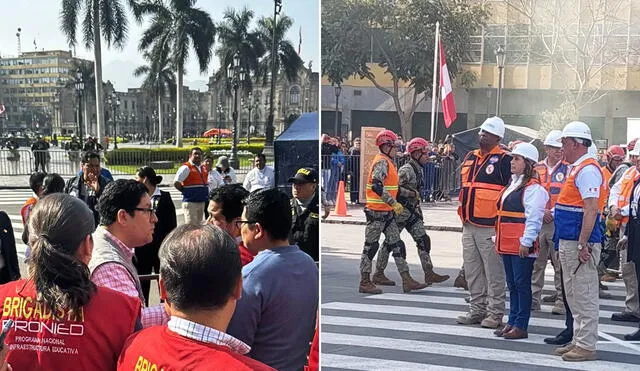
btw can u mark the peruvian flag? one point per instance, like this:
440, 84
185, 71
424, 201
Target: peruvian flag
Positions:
448, 103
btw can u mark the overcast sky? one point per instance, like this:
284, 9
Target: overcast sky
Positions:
40, 20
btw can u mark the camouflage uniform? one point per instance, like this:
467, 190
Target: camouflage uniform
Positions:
411, 177
379, 222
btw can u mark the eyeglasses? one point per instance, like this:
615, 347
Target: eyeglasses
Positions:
151, 211
239, 223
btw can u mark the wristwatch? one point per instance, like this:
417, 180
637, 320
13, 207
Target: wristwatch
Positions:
580, 247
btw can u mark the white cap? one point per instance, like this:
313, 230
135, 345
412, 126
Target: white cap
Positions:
493, 125
635, 151
526, 150
553, 139
576, 129
593, 150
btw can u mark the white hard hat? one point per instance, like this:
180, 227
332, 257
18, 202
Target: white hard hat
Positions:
593, 150
526, 150
635, 151
576, 129
553, 139
493, 125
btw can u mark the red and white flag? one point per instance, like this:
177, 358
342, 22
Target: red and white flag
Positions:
448, 103
2, 109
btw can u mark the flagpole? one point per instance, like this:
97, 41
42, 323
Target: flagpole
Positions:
435, 80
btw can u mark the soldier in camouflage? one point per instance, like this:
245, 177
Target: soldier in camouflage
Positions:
411, 177
382, 188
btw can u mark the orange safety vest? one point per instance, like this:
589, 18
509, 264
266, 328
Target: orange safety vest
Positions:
511, 222
553, 181
569, 208
195, 185
374, 202
630, 176
604, 196
26, 209
482, 183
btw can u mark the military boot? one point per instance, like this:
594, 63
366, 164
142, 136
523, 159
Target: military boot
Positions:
367, 287
460, 281
431, 277
409, 284
380, 279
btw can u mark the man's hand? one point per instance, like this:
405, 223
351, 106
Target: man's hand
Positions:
5, 366
93, 182
524, 251
623, 243
327, 210
585, 254
617, 215
398, 208
548, 217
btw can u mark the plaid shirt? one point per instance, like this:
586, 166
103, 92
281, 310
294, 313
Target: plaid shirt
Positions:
116, 277
198, 332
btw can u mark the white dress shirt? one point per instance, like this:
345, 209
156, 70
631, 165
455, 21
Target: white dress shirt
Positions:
535, 199
589, 179
258, 179
214, 180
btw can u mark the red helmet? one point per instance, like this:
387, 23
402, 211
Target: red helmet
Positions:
417, 144
615, 152
386, 137
632, 144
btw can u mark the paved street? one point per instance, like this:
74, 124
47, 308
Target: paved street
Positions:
396, 331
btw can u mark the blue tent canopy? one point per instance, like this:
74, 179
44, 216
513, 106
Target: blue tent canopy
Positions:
297, 147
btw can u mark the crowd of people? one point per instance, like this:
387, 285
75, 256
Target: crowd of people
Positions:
519, 211
229, 281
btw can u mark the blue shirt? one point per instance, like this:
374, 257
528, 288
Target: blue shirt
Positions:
276, 314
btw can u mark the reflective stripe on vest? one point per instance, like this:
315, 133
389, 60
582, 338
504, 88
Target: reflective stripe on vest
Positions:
374, 202
624, 198
481, 184
510, 225
569, 209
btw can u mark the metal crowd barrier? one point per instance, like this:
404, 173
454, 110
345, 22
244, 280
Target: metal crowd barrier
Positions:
441, 177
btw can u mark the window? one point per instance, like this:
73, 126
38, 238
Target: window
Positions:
294, 95
133, 105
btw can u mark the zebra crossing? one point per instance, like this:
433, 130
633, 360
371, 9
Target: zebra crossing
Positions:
11, 201
417, 331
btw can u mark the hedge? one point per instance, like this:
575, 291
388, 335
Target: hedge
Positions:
137, 156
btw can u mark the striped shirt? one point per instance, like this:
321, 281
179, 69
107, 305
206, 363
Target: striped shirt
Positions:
198, 332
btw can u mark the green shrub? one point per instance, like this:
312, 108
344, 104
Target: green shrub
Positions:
142, 156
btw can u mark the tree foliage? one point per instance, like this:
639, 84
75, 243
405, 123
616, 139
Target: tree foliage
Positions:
399, 37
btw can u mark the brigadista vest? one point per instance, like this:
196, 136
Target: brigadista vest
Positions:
511, 222
195, 185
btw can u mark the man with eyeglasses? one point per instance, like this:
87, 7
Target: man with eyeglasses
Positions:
277, 311
127, 221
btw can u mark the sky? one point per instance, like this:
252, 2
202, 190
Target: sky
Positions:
118, 65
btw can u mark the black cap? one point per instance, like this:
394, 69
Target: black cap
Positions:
305, 175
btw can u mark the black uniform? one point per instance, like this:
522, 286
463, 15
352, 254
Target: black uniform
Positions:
305, 227
40, 150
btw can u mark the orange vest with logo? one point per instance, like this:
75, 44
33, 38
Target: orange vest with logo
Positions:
481, 184
374, 202
510, 225
553, 181
89, 340
569, 209
604, 196
26, 209
195, 185
629, 177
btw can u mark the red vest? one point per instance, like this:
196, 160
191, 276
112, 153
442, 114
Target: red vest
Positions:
195, 185
481, 186
158, 348
245, 255
90, 341
511, 222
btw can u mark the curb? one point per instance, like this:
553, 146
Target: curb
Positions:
440, 228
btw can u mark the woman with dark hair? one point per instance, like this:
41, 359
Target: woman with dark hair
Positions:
146, 259
52, 183
87, 325
520, 212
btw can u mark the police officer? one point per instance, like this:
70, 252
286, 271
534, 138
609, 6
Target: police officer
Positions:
411, 181
40, 150
305, 230
552, 172
381, 192
74, 147
484, 173
12, 145
579, 237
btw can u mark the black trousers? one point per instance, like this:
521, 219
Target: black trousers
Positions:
146, 262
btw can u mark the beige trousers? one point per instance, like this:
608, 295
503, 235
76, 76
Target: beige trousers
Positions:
193, 212
582, 290
630, 283
547, 251
483, 270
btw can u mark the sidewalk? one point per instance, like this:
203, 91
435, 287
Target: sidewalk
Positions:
441, 216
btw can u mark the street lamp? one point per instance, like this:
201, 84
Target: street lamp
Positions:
154, 117
250, 105
114, 101
500, 58
277, 7
79, 89
337, 90
133, 127
235, 74
220, 113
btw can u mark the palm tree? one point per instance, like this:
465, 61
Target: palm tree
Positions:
287, 59
178, 24
159, 79
235, 38
100, 19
